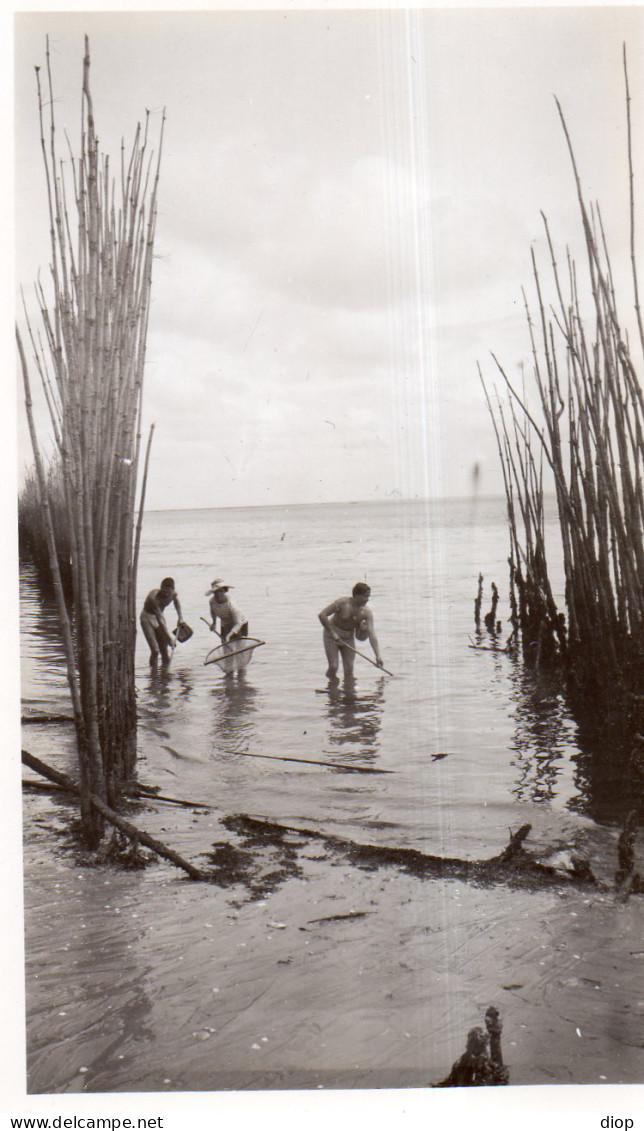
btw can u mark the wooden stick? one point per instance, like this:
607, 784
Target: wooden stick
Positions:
312, 762
138, 792
343, 644
44, 786
211, 626
137, 536
143, 791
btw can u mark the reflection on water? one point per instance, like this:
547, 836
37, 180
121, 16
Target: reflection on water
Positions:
41, 614
164, 695
234, 703
542, 740
164, 683
539, 771
41, 650
601, 769
581, 763
355, 717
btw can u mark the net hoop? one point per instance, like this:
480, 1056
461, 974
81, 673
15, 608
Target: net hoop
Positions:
235, 656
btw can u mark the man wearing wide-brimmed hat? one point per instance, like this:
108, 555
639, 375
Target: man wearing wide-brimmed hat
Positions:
233, 624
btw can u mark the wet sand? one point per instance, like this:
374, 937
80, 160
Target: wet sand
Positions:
302, 969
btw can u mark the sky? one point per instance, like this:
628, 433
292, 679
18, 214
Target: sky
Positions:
347, 205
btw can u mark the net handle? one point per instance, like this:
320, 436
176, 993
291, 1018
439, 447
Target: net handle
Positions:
212, 627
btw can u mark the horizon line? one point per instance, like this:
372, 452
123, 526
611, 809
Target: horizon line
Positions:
337, 503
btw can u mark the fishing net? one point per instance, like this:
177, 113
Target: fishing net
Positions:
235, 656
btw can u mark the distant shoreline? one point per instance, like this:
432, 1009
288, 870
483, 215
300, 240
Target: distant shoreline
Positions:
435, 500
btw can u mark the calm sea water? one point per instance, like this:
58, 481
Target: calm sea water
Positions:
504, 737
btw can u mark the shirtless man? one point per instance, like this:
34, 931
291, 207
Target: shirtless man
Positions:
155, 629
344, 618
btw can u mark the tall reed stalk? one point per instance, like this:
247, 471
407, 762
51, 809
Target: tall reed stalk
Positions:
589, 428
90, 364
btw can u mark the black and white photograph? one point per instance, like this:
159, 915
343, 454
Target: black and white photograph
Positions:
324, 450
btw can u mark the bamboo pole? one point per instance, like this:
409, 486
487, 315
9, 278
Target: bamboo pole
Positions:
631, 180
95, 324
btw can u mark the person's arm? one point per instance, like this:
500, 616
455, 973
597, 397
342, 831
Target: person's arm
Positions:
373, 639
212, 605
178, 608
323, 618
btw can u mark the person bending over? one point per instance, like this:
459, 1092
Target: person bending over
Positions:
153, 623
342, 621
232, 624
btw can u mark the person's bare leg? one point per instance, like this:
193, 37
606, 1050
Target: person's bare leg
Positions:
151, 639
332, 655
348, 660
163, 645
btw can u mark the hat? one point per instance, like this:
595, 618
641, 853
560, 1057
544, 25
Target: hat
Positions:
217, 584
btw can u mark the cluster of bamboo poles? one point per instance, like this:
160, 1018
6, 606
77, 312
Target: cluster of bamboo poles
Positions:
89, 354
590, 433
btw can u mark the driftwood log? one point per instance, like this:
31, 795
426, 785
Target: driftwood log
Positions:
138, 836
511, 866
33, 720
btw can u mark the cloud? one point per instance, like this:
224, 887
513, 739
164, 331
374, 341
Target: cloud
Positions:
342, 232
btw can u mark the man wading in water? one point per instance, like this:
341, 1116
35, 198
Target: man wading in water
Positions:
155, 629
346, 617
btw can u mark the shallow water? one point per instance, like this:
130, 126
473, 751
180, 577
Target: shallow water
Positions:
504, 736
422, 562
474, 745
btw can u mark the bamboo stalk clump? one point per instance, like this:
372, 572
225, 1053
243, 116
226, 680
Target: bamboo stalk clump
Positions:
589, 431
90, 361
